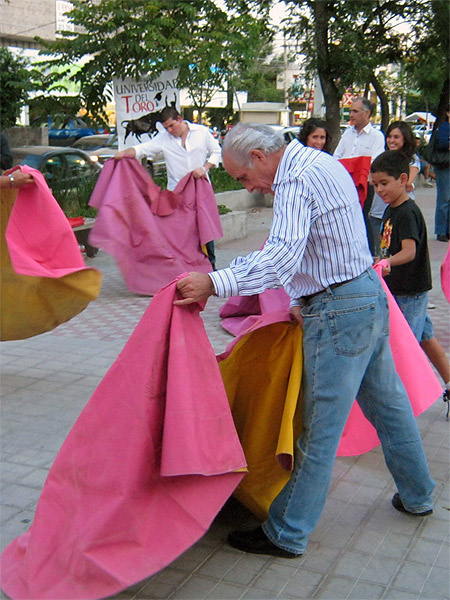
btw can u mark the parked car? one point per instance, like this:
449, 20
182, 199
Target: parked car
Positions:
289, 133
63, 129
63, 168
102, 147
99, 147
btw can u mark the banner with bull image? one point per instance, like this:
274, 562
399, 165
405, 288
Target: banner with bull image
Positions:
139, 104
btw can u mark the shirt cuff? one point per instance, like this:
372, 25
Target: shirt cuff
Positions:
296, 302
225, 283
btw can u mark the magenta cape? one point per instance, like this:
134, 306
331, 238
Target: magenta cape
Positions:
44, 281
445, 275
143, 472
412, 365
154, 235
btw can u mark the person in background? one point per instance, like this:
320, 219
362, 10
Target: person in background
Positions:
442, 172
399, 136
6, 158
426, 170
362, 139
404, 246
317, 250
314, 134
186, 148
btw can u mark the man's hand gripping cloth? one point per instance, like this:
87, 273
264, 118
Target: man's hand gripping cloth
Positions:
145, 469
44, 281
154, 235
261, 370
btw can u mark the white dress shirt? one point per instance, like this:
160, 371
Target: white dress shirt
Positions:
317, 236
200, 147
368, 142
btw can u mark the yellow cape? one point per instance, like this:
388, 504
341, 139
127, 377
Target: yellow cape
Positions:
262, 378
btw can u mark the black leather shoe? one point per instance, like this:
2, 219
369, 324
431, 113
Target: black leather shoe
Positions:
442, 238
256, 542
398, 504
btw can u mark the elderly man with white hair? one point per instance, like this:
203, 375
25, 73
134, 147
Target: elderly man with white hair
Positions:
317, 250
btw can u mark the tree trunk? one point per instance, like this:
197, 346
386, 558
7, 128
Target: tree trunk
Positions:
383, 101
329, 88
443, 103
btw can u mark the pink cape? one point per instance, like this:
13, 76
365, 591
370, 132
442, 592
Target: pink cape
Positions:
40, 239
154, 235
143, 472
445, 275
411, 363
359, 169
44, 281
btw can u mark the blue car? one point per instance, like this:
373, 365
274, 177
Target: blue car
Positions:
64, 131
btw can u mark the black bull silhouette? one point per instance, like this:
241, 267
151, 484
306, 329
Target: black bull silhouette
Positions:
145, 124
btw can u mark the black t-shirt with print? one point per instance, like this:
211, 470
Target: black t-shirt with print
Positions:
400, 223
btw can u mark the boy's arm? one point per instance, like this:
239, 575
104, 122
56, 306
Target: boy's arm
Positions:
406, 255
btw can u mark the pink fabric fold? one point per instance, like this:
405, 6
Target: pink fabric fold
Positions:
154, 235
445, 275
143, 472
241, 313
416, 373
40, 240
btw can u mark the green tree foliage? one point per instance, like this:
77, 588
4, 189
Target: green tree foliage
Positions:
428, 62
345, 41
14, 86
119, 38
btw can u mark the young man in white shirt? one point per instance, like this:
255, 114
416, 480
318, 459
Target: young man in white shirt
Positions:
186, 148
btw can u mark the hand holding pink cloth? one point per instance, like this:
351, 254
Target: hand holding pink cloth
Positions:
145, 469
154, 235
44, 281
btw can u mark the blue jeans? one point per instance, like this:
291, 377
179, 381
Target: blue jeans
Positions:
442, 213
414, 309
346, 354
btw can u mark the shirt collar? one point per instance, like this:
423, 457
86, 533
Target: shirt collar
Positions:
365, 129
291, 149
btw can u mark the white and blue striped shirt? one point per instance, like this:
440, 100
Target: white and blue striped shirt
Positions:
317, 237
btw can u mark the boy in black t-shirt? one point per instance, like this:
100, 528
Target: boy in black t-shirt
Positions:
404, 245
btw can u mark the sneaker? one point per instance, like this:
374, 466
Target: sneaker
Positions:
431, 305
428, 184
398, 505
256, 542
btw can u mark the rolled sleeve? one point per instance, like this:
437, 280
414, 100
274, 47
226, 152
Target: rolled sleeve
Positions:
149, 149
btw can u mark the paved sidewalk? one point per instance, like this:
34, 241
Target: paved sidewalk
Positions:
361, 549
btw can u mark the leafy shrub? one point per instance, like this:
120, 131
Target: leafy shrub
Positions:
75, 201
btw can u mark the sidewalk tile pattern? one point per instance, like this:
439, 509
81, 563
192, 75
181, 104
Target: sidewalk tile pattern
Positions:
362, 549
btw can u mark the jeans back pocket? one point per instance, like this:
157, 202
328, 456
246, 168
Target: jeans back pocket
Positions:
351, 329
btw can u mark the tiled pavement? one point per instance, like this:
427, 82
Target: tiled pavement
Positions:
361, 549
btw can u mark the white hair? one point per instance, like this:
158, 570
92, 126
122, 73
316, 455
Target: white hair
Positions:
245, 137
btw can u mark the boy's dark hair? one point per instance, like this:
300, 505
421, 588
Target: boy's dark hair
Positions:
391, 162
169, 112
